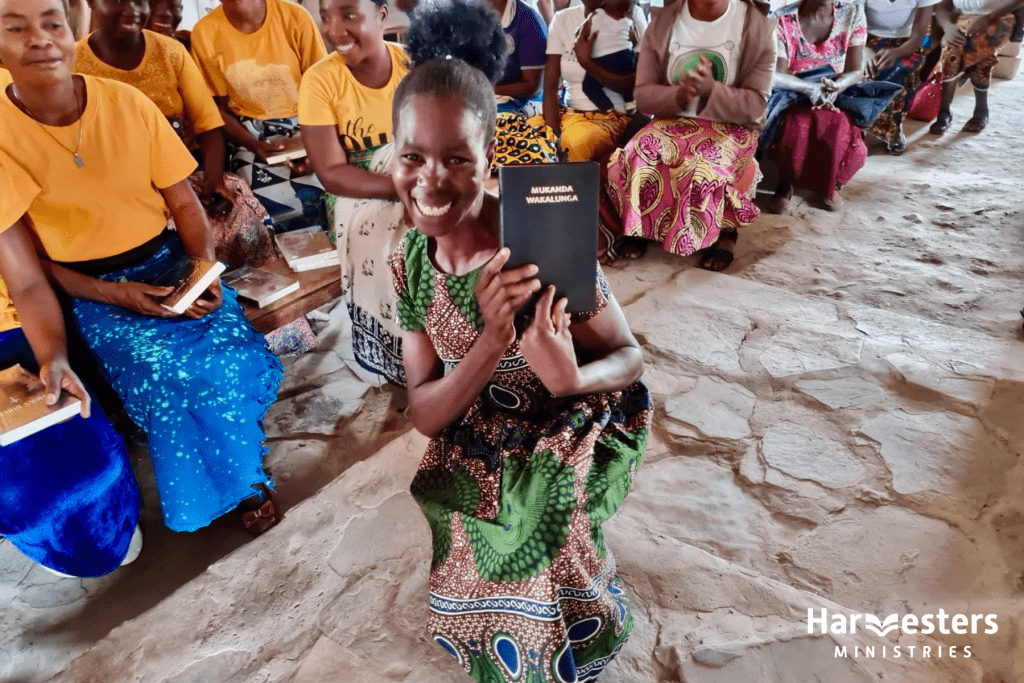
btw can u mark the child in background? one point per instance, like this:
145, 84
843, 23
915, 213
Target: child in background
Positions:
615, 37
535, 438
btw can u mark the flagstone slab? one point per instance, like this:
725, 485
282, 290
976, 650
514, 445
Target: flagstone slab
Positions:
714, 408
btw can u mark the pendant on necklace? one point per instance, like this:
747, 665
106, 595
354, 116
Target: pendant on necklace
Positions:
78, 161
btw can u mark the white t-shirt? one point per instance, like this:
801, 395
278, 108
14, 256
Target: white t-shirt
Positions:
561, 39
893, 18
612, 34
718, 40
975, 6
639, 16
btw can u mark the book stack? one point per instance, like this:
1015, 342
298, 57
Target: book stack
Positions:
23, 409
307, 249
260, 286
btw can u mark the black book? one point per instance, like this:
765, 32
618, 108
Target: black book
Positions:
549, 216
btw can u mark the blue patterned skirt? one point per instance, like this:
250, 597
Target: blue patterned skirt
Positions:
199, 388
73, 514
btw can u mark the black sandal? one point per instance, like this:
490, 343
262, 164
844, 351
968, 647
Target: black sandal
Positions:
260, 511
717, 258
631, 248
941, 124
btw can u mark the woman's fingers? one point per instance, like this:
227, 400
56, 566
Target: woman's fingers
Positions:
559, 317
542, 311
71, 384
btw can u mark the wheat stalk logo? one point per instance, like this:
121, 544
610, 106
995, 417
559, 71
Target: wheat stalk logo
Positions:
882, 628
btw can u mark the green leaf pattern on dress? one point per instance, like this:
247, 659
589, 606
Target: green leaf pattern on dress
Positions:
440, 493
532, 525
462, 290
415, 298
616, 460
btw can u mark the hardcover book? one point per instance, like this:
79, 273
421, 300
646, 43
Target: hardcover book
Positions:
23, 409
294, 148
307, 249
190, 277
549, 217
262, 287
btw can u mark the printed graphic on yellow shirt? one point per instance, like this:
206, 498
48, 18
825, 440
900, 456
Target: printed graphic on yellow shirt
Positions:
270, 86
360, 140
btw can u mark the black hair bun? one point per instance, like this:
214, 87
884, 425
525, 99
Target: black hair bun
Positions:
469, 30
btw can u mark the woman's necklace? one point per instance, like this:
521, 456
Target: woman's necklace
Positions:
81, 115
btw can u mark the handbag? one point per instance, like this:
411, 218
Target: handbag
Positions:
925, 105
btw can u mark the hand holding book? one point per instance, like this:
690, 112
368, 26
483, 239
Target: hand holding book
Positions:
208, 302
547, 345
58, 376
500, 295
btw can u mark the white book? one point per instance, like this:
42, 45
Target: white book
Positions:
190, 277
23, 409
306, 247
294, 148
260, 286
315, 265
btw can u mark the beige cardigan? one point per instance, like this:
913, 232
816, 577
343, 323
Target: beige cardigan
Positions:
743, 103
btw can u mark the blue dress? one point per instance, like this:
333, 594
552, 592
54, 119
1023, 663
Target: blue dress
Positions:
68, 498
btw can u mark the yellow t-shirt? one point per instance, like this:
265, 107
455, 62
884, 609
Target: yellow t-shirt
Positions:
331, 96
17, 190
167, 75
111, 204
259, 72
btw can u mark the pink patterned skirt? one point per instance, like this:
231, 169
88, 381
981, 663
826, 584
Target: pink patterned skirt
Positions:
682, 181
820, 150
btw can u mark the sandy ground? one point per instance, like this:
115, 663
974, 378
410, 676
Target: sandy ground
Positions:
936, 235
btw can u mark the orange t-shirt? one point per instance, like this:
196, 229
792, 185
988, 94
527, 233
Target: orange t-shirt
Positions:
259, 72
167, 75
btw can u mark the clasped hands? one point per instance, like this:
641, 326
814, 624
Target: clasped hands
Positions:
823, 95
546, 343
696, 83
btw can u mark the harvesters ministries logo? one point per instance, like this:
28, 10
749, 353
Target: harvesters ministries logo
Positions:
821, 622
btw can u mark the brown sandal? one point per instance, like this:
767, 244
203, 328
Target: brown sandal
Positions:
261, 514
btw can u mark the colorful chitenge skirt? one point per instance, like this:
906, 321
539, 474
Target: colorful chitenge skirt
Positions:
522, 586
682, 181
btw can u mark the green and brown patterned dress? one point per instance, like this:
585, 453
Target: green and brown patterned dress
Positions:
522, 587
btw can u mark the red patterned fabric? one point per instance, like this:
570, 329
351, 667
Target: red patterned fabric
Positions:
820, 150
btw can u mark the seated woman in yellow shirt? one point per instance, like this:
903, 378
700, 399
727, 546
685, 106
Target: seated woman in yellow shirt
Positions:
106, 169
345, 113
253, 54
160, 67
75, 516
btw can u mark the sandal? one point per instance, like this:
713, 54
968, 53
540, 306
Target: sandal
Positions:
898, 146
632, 248
976, 124
261, 514
718, 258
941, 124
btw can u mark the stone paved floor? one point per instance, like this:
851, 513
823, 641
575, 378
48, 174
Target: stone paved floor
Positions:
839, 427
